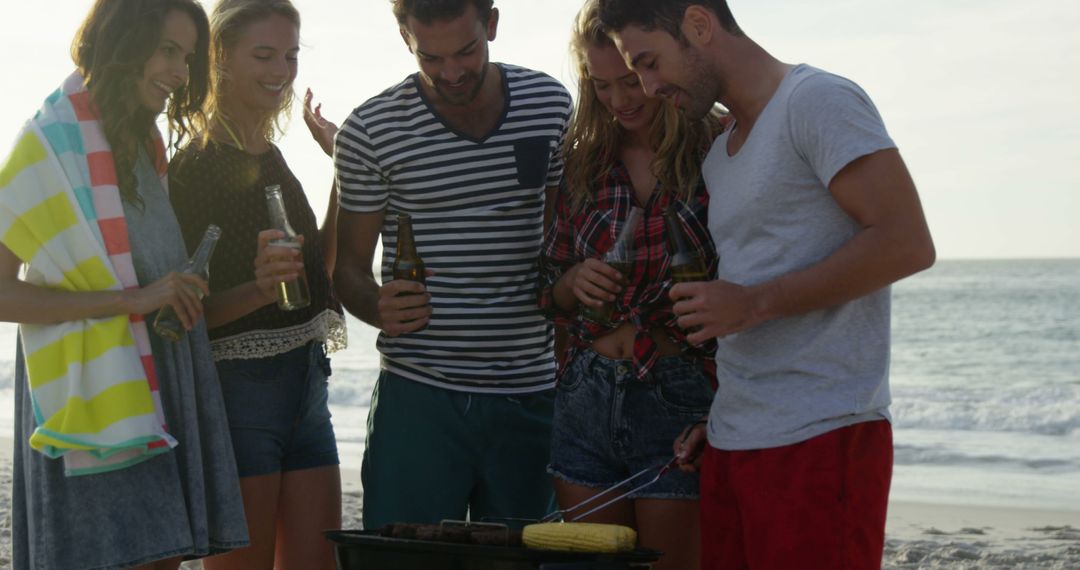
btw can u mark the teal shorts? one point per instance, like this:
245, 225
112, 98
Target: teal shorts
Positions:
435, 454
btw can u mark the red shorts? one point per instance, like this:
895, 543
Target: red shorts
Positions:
816, 504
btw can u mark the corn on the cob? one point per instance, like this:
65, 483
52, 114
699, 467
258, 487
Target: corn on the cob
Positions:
580, 537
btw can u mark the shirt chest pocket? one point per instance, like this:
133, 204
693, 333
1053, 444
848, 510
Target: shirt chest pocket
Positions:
532, 157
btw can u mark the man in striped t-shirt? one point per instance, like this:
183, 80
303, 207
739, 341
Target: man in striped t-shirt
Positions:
461, 415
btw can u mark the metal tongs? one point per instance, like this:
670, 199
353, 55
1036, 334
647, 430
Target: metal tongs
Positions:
562, 515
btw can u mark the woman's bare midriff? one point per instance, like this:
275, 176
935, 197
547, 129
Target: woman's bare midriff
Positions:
619, 343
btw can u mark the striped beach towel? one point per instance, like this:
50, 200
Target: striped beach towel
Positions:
92, 382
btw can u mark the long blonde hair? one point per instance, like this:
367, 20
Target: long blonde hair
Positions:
228, 23
594, 138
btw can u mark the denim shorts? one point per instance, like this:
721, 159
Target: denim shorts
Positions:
610, 425
278, 411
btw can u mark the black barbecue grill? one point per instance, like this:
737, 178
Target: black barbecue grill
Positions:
368, 550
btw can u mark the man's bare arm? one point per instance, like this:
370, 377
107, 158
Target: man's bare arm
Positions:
354, 279
383, 307
875, 190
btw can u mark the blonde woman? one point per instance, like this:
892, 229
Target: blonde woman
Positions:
273, 363
627, 388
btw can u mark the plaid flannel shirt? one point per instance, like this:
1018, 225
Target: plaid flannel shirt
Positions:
590, 231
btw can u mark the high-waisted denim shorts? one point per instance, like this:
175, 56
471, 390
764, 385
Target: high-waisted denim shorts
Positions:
609, 425
278, 411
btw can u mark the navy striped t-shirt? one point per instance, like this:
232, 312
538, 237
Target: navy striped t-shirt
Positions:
477, 209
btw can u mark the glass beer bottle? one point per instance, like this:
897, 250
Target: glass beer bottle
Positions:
293, 294
407, 263
408, 266
621, 258
166, 324
686, 264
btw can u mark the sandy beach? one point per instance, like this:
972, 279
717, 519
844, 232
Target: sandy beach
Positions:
918, 536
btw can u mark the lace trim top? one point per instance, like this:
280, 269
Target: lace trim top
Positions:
328, 327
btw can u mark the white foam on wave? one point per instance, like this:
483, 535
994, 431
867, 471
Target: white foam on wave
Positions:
1043, 410
349, 387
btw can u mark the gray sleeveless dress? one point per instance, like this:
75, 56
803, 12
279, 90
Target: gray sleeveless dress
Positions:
183, 503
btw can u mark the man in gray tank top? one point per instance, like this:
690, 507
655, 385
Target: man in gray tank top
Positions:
814, 216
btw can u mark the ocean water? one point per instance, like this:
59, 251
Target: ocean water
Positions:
985, 384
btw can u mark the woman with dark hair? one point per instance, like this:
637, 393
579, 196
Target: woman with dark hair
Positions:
272, 362
122, 457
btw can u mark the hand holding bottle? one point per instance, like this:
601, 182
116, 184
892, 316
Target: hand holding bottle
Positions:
176, 289
275, 265
594, 282
620, 258
715, 309
187, 289
292, 294
403, 306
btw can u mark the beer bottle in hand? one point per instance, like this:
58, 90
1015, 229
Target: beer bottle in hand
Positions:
407, 263
686, 264
293, 294
621, 258
166, 323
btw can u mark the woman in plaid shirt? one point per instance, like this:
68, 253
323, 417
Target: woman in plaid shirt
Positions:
626, 388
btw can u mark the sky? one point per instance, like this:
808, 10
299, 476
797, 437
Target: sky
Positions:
980, 95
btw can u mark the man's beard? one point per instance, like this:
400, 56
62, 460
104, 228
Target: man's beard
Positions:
704, 87
460, 100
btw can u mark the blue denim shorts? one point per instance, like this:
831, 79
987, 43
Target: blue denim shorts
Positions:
609, 425
278, 411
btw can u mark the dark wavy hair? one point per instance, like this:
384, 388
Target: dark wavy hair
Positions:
111, 48
666, 15
428, 11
